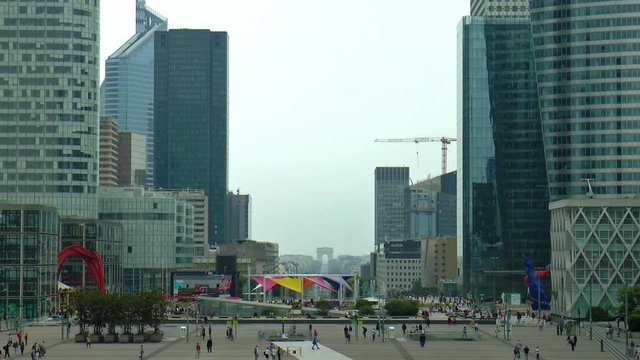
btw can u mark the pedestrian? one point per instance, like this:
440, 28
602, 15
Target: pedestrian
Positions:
315, 344
88, 343
209, 345
475, 327
279, 353
202, 333
573, 341
267, 353
21, 347
537, 352
540, 325
423, 338
15, 348
464, 332
6, 350
364, 332
256, 352
43, 350
404, 329
373, 335
198, 350
26, 338
526, 352
141, 352
516, 353
209, 330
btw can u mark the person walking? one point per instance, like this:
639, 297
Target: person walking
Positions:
279, 352
88, 344
314, 342
573, 341
202, 333
141, 352
464, 332
404, 329
537, 352
198, 350
21, 347
26, 338
526, 352
423, 338
364, 332
256, 353
209, 330
209, 345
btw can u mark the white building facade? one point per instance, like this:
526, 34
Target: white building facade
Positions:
595, 252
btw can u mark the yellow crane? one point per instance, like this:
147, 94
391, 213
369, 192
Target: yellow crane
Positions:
444, 141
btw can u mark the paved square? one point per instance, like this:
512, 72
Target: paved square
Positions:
176, 347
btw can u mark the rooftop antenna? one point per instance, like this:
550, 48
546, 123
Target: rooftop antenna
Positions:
589, 188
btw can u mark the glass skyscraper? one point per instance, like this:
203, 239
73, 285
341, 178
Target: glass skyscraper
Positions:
502, 190
587, 56
127, 90
191, 118
49, 74
391, 184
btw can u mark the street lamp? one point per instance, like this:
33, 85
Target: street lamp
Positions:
6, 306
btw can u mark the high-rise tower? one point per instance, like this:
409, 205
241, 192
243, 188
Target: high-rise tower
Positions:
390, 187
502, 199
49, 107
588, 79
191, 118
127, 90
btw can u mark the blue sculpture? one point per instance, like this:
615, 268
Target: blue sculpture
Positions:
536, 291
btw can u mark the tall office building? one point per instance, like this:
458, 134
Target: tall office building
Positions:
239, 217
127, 90
587, 56
108, 151
588, 79
508, 8
191, 118
390, 186
502, 189
49, 107
431, 207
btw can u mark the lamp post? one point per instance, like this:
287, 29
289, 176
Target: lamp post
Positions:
626, 317
590, 309
6, 307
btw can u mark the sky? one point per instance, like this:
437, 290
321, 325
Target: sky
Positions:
311, 85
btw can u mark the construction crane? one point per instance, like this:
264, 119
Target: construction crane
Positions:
443, 140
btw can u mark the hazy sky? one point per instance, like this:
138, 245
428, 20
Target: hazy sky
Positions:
311, 85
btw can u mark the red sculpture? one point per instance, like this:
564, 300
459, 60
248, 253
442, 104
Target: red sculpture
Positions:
92, 259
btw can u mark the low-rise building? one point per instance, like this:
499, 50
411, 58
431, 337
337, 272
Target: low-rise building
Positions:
157, 234
399, 266
29, 250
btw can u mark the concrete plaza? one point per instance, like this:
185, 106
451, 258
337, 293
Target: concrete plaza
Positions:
448, 344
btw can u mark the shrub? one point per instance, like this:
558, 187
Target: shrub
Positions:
402, 307
634, 320
599, 314
366, 310
362, 302
323, 307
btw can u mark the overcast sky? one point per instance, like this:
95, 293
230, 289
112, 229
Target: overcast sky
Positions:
311, 85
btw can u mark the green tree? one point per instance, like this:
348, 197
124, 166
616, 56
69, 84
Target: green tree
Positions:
157, 305
599, 314
114, 311
78, 306
402, 307
633, 299
323, 307
634, 320
366, 310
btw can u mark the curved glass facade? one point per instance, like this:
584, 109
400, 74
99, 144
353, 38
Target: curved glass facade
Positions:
49, 107
587, 57
127, 90
502, 197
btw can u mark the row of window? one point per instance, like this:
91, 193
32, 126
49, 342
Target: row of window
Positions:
586, 49
49, 46
588, 62
605, 35
593, 151
589, 113
590, 100
573, 12
576, 24
596, 164
48, 189
615, 179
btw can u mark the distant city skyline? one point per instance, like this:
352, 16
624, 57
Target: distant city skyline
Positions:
308, 97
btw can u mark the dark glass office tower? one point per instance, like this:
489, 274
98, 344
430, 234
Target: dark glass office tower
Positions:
502, 197
390, 186
191, 118
587, 57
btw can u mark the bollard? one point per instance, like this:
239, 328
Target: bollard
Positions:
601, 345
